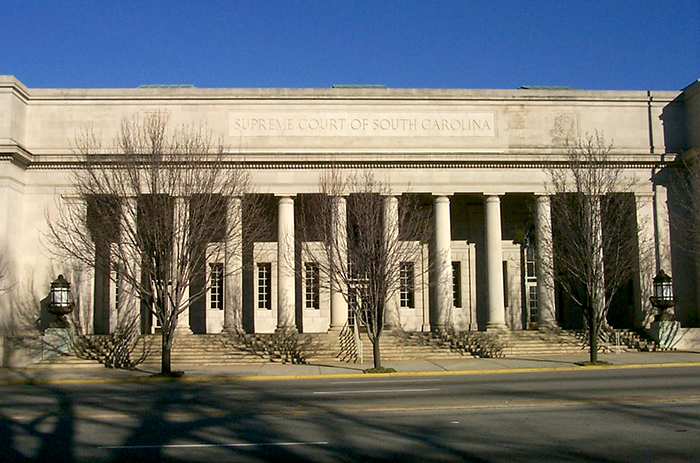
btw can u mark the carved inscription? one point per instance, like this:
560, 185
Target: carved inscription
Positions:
439, 124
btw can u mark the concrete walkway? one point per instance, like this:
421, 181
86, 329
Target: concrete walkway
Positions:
47, 373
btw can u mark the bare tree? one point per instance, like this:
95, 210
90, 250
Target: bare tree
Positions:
370, 250
683, 180
595, 244
147, 211
5, 284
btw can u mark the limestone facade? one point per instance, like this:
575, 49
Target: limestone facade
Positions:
477, 154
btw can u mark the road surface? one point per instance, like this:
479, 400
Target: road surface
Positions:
615, 415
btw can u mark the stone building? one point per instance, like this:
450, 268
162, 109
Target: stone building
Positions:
476, 155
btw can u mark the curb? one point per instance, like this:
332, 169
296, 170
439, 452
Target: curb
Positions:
497, 371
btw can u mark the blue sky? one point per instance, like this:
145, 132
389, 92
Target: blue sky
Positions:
614, 44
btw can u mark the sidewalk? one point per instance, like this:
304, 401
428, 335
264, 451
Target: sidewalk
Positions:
268, 371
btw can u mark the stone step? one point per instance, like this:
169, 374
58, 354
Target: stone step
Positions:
222, 349
64, 361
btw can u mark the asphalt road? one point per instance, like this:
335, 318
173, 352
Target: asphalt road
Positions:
614, 415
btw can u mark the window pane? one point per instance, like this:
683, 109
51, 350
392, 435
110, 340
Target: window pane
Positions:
264, 286
407, 291
311, 285
457, 284
216, 289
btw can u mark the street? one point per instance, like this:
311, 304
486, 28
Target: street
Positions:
615, 415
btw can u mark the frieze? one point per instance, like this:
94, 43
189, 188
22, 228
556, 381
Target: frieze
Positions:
455, 124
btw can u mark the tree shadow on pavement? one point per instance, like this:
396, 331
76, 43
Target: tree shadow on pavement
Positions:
272, 421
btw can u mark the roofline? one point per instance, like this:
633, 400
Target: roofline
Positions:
332, 93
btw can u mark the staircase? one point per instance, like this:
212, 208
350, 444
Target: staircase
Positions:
634, 341
210, 350
407, 346
542, 343
392, 346
333, 347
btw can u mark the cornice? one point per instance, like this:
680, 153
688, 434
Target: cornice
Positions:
316, 165
16, 154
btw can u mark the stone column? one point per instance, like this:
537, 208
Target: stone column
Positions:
544, 264
596, 226
131, 260
391, 235
494, 264
233, 267
648, 251
181, 238
285, 264
443, 263
662, 234
339, 306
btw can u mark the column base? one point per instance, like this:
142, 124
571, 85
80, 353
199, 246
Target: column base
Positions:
232, 329
183, 330
549, 326
496, 327
440, 328
286, 329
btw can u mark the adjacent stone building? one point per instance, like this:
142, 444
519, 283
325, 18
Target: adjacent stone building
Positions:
476, 155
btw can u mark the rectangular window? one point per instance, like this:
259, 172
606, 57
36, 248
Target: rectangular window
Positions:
407, 288
216, 288
264, 286
505, 284
532, 303
357, 297
530, 264
116, 281
311, 285
457, 284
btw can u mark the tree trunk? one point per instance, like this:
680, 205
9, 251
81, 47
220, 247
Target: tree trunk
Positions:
167, 343
593, 339
376, 354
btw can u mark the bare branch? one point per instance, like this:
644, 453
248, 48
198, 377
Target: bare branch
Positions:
595, 239
361, 249
147, 211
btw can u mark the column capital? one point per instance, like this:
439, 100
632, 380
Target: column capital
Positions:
443, 194
543, 201
283, 200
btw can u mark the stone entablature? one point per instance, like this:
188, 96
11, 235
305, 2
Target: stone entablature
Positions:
349, 123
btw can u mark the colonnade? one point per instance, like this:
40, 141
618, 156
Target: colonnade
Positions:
442, 267
441, 313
